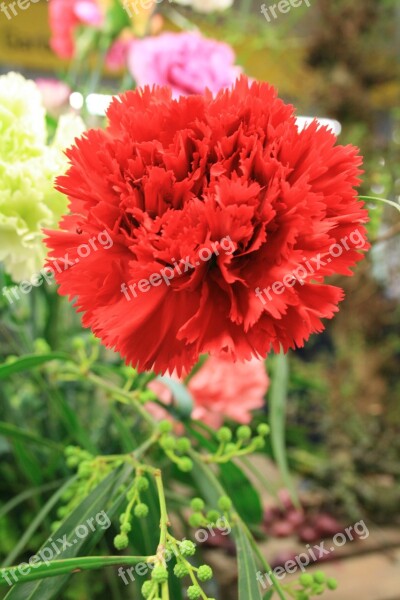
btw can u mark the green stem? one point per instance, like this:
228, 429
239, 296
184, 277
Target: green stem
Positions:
164, 522
121, 395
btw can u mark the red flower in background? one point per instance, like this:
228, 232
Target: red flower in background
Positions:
64, 17
169, 179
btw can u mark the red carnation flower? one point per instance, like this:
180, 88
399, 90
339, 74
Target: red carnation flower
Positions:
170, 181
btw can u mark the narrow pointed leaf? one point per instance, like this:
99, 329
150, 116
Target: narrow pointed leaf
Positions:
30, 362
248, 584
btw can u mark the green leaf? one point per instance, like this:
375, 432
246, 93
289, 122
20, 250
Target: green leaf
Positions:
183, 401
15, 433
29, 362
248, 584
86, 512
35, 524
28, 463
247, 502
55, 568
277, 404
27, 495
377, 199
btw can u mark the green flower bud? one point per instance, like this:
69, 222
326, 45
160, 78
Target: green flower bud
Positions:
196, 519
159, 574
142, 484
69, 494
331, 584
71, 451
224, 503
205, 573
78, 343
85, 455
141, 510
147, 396
85, 469
224, 435
319, 577
72, 461
263, 429
168, 442
126, 527
185, 464
213, 516
259, 443
165, 426
147, 588
121, 541
318, 590
181, 570
183, 445
197, 504
243, 433
306, 580
230, 448
187, 548
62, 512
194, 592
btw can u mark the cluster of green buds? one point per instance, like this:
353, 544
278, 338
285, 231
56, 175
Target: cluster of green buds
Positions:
183, 551
86, 351
135, 508
201, 518
176, 449
241, 443
91, 470
313, 584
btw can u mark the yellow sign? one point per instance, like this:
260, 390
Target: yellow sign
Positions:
24, 36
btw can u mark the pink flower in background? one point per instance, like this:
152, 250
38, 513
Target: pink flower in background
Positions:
117, 55
187, 62
65, 16
55, 94
221, 389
